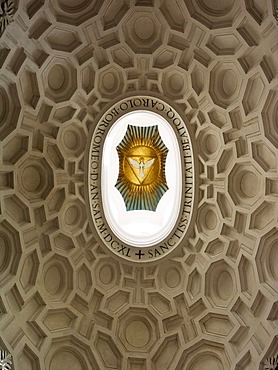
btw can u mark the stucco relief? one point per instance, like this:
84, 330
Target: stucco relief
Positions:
156, 202
66, 300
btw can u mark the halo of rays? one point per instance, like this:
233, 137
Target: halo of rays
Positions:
143, 196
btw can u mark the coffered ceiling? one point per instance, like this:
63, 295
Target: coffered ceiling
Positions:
66, 301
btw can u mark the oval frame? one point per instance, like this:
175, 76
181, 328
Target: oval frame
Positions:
140, 228
94, 179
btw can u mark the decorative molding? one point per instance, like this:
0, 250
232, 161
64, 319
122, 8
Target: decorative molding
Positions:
67, 301
153, 248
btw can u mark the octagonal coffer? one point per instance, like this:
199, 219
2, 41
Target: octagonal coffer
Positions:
141, 178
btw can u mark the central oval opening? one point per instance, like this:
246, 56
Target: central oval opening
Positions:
134, 218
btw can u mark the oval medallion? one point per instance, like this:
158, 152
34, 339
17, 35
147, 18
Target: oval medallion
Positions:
140, 178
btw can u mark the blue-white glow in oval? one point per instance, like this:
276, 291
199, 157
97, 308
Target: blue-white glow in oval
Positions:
141, 228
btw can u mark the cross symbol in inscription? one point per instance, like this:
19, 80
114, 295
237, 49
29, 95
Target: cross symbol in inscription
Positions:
139, 254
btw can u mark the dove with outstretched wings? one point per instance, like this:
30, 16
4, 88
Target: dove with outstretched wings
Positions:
141, 165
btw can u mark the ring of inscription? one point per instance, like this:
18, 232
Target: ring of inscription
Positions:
99, 222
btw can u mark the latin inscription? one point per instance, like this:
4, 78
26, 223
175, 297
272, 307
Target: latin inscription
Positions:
135, 253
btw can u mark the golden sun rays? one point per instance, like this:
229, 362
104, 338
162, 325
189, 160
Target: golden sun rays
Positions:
142, 157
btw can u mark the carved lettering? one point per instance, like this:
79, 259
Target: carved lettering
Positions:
101, 225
